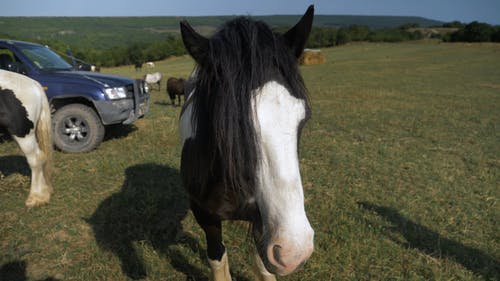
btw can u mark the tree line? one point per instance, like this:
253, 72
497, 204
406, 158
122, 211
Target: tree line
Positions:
329, 37
320, 37
135, 53
472, 32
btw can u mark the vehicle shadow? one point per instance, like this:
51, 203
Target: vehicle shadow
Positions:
432, 243
16, 271
148, 209
118, 131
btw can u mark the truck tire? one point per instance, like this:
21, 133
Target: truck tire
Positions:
77, 128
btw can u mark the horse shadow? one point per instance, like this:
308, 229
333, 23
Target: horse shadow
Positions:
148, 209
432, 243
13, 164
16, 271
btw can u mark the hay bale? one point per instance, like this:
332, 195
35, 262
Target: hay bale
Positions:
311, 57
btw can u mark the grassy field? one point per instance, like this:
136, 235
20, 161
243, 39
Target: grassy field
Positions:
400, 165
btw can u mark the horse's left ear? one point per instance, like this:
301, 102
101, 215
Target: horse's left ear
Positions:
196, 45
297, 36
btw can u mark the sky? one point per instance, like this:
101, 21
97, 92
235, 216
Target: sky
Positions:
444, 10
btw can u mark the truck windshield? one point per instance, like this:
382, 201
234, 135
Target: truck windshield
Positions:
44, 58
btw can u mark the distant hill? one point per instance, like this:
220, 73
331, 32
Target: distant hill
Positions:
108, 32
373, 22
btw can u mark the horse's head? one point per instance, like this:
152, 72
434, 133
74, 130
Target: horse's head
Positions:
253, 65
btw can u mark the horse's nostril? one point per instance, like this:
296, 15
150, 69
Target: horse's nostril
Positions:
277, 255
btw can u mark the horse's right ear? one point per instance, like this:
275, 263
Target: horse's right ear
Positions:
196, 45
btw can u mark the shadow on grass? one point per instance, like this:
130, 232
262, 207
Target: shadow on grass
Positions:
16, 271
168, 103
14, 164
162, 103
432, 243
118, 131
148, 209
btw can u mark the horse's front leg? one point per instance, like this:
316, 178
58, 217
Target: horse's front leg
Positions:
216, 252
40, 189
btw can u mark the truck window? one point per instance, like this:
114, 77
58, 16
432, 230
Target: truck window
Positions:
44, 58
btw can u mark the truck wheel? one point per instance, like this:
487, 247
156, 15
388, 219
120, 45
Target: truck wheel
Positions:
77, 128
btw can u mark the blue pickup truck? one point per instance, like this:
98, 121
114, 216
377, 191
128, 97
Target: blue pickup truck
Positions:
82, 102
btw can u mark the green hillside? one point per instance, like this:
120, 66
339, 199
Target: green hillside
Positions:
106, 32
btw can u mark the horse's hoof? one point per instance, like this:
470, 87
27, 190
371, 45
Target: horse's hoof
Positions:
37, 200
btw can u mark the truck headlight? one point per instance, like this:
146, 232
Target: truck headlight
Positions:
116, 93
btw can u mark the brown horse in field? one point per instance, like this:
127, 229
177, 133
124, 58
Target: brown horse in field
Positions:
175, 87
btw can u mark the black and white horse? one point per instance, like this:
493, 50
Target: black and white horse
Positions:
240, 129
25, 114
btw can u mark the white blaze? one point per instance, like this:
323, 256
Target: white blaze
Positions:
280, 196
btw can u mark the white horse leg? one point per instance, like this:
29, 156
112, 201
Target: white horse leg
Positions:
39, 191
220, 269
260, 271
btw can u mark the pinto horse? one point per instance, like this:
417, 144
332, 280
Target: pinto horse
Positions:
240, 130
25, 114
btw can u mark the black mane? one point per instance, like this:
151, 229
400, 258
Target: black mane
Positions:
243, 55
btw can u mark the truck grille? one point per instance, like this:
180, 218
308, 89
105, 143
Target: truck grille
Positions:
141, 89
